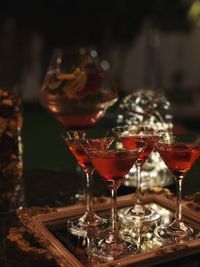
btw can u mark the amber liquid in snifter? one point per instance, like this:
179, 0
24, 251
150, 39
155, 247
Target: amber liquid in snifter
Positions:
77, 95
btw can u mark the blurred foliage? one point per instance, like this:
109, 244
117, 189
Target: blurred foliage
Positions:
194, 12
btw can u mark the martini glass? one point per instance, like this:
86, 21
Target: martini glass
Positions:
76, 141
179, 155
113, 165
131, 136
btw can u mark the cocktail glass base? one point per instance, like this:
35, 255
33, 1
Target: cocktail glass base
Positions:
88, 222
110, 246
176, 231
138, 214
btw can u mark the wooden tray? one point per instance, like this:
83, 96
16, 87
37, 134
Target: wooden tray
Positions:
49, 227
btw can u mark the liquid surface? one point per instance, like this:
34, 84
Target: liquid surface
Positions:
113, 166
179, 158
77, 146
133, 142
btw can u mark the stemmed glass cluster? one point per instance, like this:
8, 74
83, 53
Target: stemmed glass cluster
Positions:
179, 153
133, 145
113, 157
112, 161
78, 92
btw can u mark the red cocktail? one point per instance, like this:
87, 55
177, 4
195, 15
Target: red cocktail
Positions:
179, 156
113, 165
77, 144
131, 137
131, 142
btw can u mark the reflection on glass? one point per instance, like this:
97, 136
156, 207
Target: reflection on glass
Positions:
149, 242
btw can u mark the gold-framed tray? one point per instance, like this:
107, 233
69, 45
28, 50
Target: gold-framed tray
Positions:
49, 228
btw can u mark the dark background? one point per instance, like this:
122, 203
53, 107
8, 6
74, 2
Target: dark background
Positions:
61, 23
30, 30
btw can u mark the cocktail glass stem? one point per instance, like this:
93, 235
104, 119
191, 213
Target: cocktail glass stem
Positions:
178, 228
139, 181
89, 191
114, 216
178, 216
